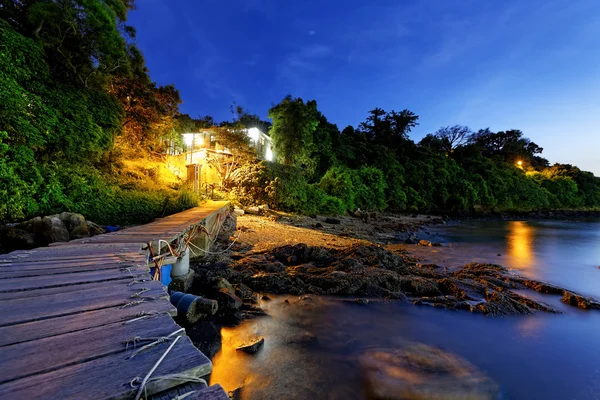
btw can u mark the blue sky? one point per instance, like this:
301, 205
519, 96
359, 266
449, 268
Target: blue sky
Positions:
532, 65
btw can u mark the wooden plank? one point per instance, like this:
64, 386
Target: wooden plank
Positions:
67, 261
20, 310
25, 359
71, 255
109, 377
178, 391
214, 392
34, 293
40, 282
40, 271
39, 329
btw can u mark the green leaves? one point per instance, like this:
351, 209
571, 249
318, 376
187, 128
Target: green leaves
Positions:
292, 131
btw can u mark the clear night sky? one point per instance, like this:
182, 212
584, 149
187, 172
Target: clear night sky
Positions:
532, 65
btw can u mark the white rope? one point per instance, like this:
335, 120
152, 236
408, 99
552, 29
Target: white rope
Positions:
217, 252
142, 387
157, 341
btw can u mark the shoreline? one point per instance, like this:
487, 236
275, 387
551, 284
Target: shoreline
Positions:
297, 255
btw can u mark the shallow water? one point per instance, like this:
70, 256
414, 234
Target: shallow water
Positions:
312, 344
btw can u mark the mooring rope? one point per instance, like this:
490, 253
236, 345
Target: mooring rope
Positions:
133, 303
142, 388
156, 341
139, 316
140, 293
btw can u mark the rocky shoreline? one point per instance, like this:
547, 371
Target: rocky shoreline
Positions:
305, 257
371, 271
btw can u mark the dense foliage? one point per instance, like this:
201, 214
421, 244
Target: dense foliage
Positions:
75, 96
377, 166
83, 128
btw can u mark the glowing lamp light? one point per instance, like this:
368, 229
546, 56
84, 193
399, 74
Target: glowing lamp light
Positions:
269, 155
520, 163
253, 133
188, 138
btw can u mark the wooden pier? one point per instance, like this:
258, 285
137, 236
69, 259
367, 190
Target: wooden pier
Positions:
75, 318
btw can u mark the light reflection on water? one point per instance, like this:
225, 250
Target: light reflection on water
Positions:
537, 357
520, 244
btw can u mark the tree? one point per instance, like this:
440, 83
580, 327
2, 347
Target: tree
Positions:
149, 111
508, 145
452, 136
239, 154
388, 129
82, 39
241, 116
294, 122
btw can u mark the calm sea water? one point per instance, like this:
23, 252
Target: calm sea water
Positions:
312, 346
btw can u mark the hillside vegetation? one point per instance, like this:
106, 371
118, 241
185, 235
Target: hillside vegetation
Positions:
83, 128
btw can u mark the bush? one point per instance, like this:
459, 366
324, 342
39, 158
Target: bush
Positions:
319, 202
338, 182
364, 188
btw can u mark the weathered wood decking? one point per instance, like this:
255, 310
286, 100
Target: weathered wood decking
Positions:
68, 310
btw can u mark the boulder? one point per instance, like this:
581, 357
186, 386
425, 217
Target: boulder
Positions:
577, 300
54, 230
223, 283
13, 237
238, 212
95, 229
206, 337
423, 243
245, 293
228, 300
333, 221
423, 372
252, 210
75, 224
252, 346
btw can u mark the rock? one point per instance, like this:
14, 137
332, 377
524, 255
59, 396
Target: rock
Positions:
265, 297
236, 394
499, 255
333, 221
223, 283
251, 311
423, 243
79, 232
423, 372
435, 244
318, 225
54, 230
95, 229
252, 210
409, 241
253, 346
577, 300
75, 224
228, 300
206, 336
245, 293
13, 238
231, 317
238, 212
263, 207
